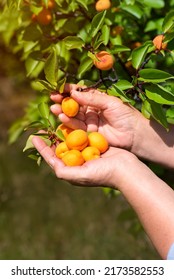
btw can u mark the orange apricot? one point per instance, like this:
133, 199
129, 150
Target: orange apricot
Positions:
117, 30
65, 129
104, 60
61, 149
77, 140
73, 158
158, 42
102, 5
51, 4
70, 107
90, 153
44, 17
97, 140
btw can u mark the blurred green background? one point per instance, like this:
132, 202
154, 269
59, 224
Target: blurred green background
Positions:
42, 217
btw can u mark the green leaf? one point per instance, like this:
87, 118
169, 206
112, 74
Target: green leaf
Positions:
44, 110
119, 48
105, 34
116, 91
158, 4
133, 10
139, 54
85, 65
97, 23
124, 84
51, 67
158, 113
168, 22
60, 135
73, 42
159, 94
154, 75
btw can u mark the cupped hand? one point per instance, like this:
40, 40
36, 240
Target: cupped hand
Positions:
109, 170
99, 112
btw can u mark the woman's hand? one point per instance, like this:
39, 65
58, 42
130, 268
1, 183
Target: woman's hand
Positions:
116, 120
121, 124
109, 170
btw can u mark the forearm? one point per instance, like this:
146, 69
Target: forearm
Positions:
153, 201
154, 143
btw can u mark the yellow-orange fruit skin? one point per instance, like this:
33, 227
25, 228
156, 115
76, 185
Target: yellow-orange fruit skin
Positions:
77, 140
73, 158
44, 17
65, 129
70, 107
98, 140
102, 5
158, 42
90, 153
104, 60
51, 4
61, 149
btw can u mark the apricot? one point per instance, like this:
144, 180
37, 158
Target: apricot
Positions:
90, 153
65, 129
97, 140
61, 149
158, 42
70, 107
77, 140
104, 60
34, 17
44, 17
102, 5
51, 4
117, 30
73, 158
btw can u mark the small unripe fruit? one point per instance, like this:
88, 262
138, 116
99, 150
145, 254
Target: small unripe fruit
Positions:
44, 17
102, 5
158, 42
104, 60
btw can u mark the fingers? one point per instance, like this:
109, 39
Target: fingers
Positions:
46, 152
93, 98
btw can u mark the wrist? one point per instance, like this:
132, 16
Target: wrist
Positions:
152, 142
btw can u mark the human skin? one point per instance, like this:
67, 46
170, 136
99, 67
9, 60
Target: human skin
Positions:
150, 197
121, 124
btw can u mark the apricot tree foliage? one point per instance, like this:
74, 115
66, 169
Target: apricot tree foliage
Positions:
62, 49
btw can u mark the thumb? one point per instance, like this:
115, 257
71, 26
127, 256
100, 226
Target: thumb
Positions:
93, 98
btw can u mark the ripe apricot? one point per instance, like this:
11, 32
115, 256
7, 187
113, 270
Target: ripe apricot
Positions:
61, 149
117, 30
158, 42
44, 17
104, 60
102, 5
73, 158
51, 4
98, 140
70, 107
90, 153
34, 17
77, 140
65, 129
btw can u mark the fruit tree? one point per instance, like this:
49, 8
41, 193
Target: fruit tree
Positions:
123, 47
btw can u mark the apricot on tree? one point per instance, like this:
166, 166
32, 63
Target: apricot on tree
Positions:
102, 5
104, 60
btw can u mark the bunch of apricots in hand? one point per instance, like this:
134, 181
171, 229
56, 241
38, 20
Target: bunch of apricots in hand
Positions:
80, 146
